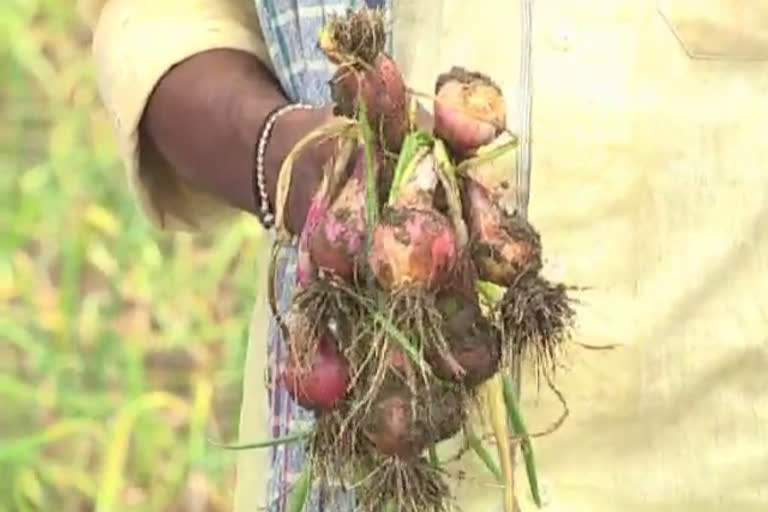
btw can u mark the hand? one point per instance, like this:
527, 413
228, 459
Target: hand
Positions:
308, 168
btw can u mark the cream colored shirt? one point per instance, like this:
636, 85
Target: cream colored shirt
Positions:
649, 186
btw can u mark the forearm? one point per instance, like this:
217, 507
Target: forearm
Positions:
205, 117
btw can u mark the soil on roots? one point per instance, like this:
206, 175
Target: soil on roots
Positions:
537, 318
473, 339
406, 419
359, 35
356, 44
331, 303
389, 384
412, 486
337, 452
465, 76
503, 246
379, 453
463, 277
380, 87
418, 314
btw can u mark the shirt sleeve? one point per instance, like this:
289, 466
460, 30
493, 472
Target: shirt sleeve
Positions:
135, 42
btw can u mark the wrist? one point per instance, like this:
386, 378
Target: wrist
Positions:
289, 127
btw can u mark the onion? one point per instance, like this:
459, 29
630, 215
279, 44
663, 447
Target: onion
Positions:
398, 360
414, 245
399, 427
355, 43
473, 343
306, 271
339, 238
470, 115
412, 249
536, 314
503, 245
469, 110
381, 89
324, 383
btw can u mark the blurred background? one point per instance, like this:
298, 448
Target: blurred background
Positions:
121, 348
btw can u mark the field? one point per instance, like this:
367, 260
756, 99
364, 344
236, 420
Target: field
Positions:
121, 347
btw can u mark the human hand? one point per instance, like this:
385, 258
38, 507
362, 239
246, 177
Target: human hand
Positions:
308, 167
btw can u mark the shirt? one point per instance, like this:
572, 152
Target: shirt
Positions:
648, 185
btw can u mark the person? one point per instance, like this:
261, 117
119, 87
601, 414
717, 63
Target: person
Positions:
648, 182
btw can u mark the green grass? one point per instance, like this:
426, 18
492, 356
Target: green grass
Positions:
121, 347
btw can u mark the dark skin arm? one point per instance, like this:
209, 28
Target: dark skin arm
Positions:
205, 116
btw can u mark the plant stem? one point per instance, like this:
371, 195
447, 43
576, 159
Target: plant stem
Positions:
492, 292
487, 155
477, 446
291, 438
415, 146
401, 339
518, 426
433, 456
495, 399
371, 197
297, 499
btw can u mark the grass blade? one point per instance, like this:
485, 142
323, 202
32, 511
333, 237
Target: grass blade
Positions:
493, 293
119, 443
200, 411
477, 446
494, 393
415, 145
10, 448
291, 438
487, 156
64, 476
433, 456
518, 427
298, 496
402, 340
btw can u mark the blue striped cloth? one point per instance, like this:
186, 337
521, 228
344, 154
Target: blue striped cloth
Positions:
291, 29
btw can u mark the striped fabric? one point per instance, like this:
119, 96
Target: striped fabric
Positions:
291, 28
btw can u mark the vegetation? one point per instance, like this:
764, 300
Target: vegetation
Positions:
121, 347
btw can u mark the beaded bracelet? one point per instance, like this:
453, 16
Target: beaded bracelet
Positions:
266, 214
